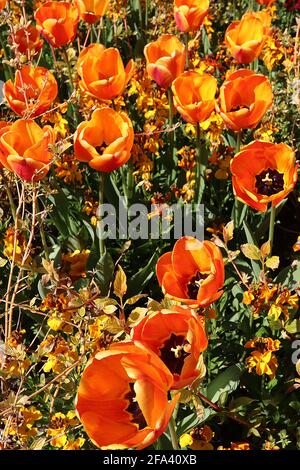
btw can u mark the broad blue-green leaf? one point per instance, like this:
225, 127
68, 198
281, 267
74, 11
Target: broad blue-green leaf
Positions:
226, 381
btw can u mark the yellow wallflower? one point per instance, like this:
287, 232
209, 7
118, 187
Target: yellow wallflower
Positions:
275, 300
59, 310
272, 53
59, 354
296, 246
74, 445
262, 358
198, 438
213, 127
58, 426
67, 169
20, 245
74, 264
185, 440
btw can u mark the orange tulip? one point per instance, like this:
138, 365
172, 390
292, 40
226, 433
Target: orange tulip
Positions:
122, 399
189, 14
263, 173
105, 141
24, 149
92, 10
265, 2
2, 4
244, 99
165, 59
264, 16
27, 39
102, 72
57, 21
33, 91
193, 272
177, 336
4, 127
245, 38
194, 95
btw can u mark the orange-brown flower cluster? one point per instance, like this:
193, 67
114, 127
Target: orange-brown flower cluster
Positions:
262, 358
273, 300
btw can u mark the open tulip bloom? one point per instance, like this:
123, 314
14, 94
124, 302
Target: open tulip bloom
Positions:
105, 141
102, 72
193, 272
263, 173
122, 399
194, 95
244, 99
178, 337
57, 22
32, 92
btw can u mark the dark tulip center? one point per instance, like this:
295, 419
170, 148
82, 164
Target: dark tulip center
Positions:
173, 354
269, 182
100, 149
238, 107
134, 409
194, 285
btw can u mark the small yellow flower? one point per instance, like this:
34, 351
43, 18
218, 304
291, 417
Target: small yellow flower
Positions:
296, 246
15, 246
248, 297
185, 440
74, 445
275, 311
262, 358
74, 264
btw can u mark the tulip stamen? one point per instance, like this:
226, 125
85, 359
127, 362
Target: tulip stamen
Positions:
174, 352
269, 182
134, 409
100, 149
194, 285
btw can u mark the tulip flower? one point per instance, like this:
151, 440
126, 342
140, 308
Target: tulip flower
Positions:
4, 127
92, 10
24, 149
32, 92
245, 38
194, 95
264, 16
2, 4
263, 173
105, 141
245, 97
102, 72
27, 38
177, 336
189, 14
122, 399
165, 59
57, 22
265, 2
193, 273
